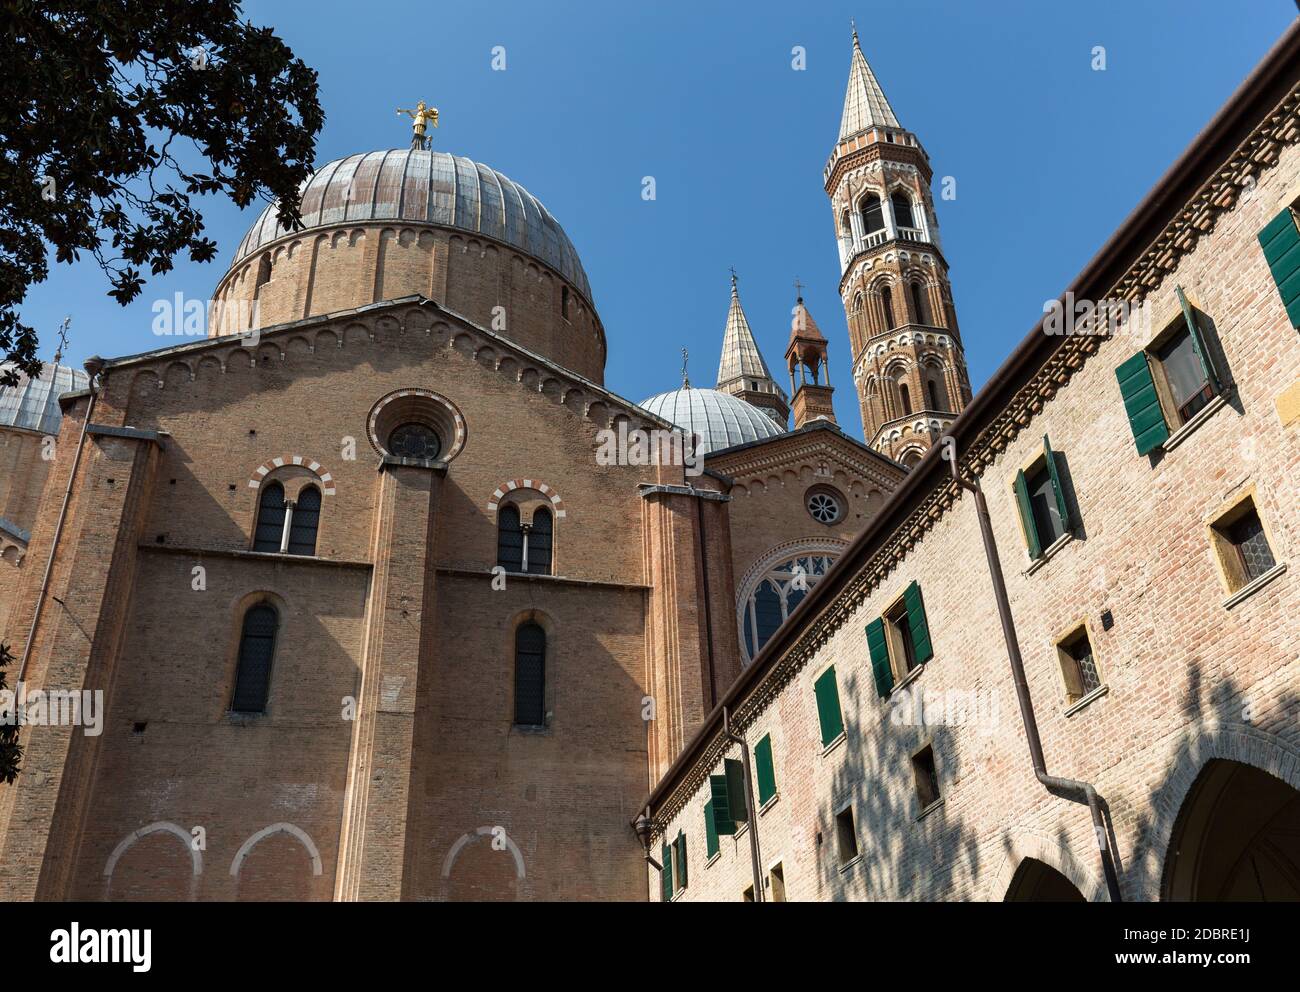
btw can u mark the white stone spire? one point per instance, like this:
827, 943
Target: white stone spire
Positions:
865, 104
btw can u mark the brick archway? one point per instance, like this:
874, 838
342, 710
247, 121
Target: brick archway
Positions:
1022, 843
511, 485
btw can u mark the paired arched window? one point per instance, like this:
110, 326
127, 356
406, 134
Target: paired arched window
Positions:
525, 547
902, 210
530, 675
873, 214
288, 528
256, 650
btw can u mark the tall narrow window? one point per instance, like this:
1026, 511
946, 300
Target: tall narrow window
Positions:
933, 387
270, 519
256, 649
927, 778
904, 399
873, 215
510, 539
537, 542
530, 675
887, 301
918, 304
902, 210
304, 522
564, 302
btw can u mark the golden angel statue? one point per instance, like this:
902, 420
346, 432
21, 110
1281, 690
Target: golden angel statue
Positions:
421, 116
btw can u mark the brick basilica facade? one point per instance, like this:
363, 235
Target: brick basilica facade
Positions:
373, 617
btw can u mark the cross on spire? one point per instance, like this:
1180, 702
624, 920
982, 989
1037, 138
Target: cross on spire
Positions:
686, 357
798, 288
63, 338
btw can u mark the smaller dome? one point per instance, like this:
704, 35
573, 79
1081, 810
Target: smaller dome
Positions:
720, 419
34, 403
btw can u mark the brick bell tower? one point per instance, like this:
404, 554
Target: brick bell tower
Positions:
807, 353
908, 365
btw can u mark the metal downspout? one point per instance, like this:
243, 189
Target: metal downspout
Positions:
1067, 788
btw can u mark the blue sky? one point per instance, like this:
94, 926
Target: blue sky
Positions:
1048, 155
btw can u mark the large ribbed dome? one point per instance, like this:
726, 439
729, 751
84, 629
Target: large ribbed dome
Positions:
719, 419
432, 188
34, 403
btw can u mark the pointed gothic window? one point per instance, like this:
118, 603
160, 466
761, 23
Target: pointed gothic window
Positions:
775, 594
902, 210
873, 214
510, 539
256, 649
530, 675
270, 518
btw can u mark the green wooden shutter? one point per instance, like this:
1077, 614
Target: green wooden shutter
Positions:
666, 873
766, 770
710, 831
679, 854
736, 792
1281, 242
1142, 404
1198, 341
1027, 517
921, 647
1062, 504
723, 822
879, 648
828, 706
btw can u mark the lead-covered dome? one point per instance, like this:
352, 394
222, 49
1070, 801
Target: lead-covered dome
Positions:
431, 187
33, 404
719, 419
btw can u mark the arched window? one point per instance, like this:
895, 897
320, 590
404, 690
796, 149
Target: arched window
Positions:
530, 675
537, 543
845, 227
269, 533
887, 300
873, 214
776, 595
904, 399
305, 518
510, 539
902, 209
256, 649
935, 404
564, 302
918, 304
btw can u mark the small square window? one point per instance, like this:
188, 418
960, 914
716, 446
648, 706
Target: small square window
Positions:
776, 883
898, 634
1078, 666
847, 835
927, 779
1242, 545
748, 894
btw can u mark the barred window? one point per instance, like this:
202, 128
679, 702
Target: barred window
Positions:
510, 539
270, 518
530, 675
256, 649
538, 541
304, 522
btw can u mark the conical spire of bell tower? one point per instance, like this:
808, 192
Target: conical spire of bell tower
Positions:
865, 103
742, 371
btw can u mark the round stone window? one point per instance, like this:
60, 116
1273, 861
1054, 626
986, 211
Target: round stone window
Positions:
824, 506
414, 441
